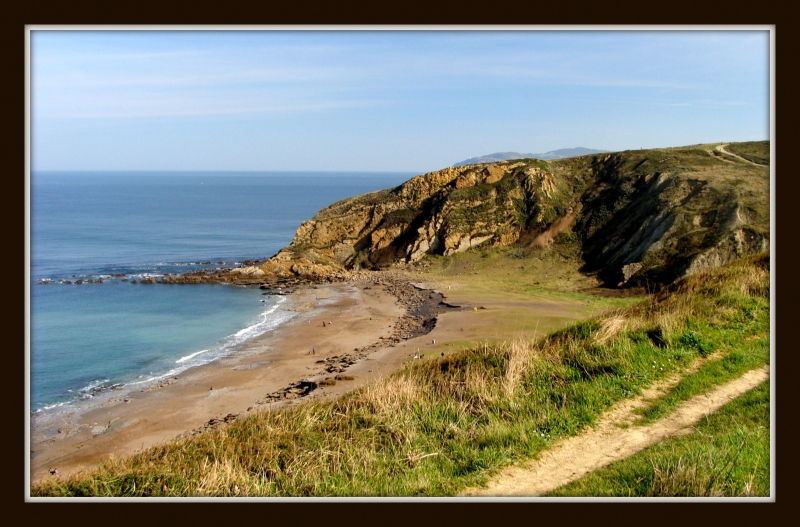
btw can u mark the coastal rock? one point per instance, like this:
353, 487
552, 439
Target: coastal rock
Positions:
636, 217
628, 271
249, 271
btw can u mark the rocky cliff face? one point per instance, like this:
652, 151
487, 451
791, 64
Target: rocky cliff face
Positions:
640, 216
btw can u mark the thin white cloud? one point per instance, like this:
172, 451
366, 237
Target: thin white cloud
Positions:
113, 109
211, 78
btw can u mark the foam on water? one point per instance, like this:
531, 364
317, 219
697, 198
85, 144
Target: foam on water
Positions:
272, 317
184, 359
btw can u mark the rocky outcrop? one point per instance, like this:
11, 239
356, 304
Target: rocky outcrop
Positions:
651, 217
443, 212
647, 216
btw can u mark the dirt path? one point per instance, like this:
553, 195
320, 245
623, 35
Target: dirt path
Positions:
719, 157
721, 148
575, 457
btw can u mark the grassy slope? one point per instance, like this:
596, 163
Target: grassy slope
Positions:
441, 425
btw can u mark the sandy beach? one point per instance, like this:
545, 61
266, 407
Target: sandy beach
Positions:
356, 315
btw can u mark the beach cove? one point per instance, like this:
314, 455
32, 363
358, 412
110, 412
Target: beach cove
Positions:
356, 331
374, 323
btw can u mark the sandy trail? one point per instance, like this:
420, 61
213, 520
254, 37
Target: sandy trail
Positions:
719, 157
573, 458
721, 148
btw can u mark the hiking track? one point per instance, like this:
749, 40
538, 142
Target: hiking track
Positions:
721, 148
614, 437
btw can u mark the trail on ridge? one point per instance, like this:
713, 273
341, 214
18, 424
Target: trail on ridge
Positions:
721, 148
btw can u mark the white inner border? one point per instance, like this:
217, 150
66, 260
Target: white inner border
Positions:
155, 27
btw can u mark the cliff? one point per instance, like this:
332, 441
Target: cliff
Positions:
646, 216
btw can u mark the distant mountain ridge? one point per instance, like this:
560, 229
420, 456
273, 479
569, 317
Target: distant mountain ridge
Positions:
547, 156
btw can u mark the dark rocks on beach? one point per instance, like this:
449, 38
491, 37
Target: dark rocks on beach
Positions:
294, 390
422, 308
283, 292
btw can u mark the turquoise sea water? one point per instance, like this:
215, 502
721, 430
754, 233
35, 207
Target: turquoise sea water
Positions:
90, 225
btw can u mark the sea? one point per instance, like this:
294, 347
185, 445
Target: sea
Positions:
114, 228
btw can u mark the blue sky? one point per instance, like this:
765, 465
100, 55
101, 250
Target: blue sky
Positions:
383, 100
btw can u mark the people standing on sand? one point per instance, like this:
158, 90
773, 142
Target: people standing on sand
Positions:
313, 351
323, 323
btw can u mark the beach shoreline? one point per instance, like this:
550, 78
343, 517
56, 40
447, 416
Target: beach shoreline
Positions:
339, 328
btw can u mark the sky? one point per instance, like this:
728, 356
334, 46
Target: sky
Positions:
400, 101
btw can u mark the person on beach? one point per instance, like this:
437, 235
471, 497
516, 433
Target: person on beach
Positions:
323, 323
